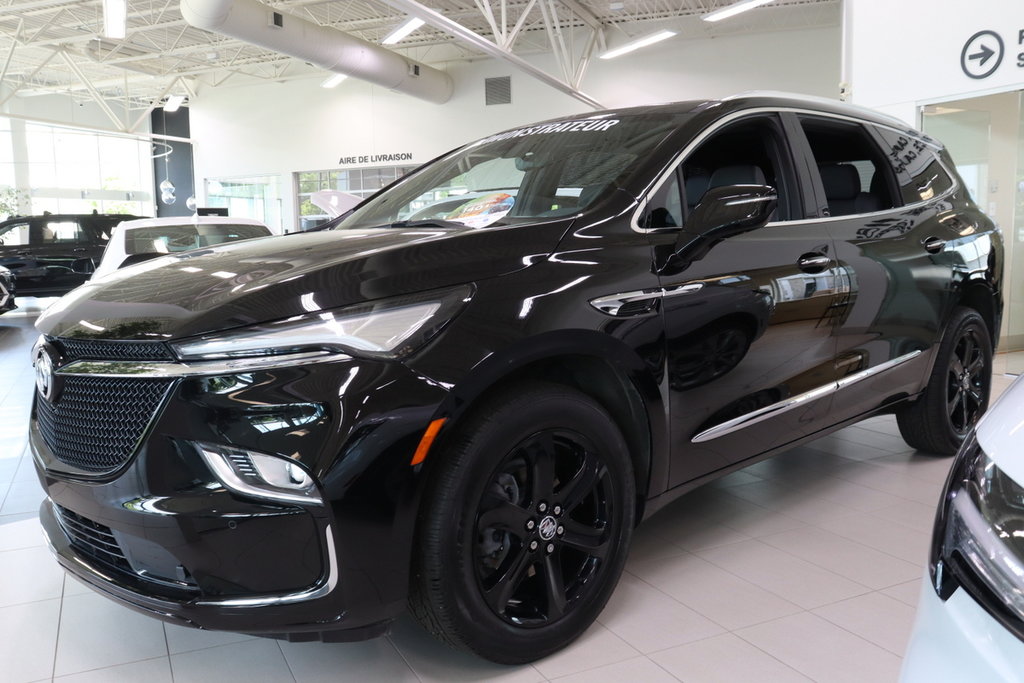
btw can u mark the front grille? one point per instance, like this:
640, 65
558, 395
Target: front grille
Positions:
96, 423
93, 349
92, 539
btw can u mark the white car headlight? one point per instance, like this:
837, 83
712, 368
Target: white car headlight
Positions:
980, 531
388, 328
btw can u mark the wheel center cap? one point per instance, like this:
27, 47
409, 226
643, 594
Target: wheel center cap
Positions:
547, 528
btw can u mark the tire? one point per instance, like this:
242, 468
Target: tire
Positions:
958, 389
525, 525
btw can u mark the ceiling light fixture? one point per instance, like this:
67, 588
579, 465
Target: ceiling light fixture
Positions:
333, 81
637, 44
733, 9
402, 31
174, 103
115, 19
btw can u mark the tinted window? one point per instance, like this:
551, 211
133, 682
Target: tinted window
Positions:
921, 175
855, 175
62, 232
742, 153
14, 235
173, 238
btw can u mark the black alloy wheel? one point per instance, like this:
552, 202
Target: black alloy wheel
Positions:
957, 393
526, 525
967, 380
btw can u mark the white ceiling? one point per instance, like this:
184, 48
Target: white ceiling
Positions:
53, 46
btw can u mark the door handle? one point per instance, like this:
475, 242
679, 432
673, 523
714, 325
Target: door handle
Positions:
79, 250
933, 245
813, 263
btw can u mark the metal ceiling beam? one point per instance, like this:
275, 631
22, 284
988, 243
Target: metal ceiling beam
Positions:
443, 23
100, 101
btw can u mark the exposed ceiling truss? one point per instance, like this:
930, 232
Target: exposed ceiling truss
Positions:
54, 46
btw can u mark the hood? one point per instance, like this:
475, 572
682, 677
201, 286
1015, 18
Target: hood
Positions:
244, 283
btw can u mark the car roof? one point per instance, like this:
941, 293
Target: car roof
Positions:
187, 220
763, 99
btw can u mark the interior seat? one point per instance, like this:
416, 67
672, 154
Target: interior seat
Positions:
842, 190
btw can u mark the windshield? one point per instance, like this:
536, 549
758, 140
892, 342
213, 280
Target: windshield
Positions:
168, 239
547, 170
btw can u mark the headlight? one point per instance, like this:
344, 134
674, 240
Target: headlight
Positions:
261, 475
980, 531
388, 328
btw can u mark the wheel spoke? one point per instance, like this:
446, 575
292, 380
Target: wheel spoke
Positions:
582, 483
969, 349
977, 366
541, 454
498, 595
954, 403
956, 366
506, 517
554, 587
586, 539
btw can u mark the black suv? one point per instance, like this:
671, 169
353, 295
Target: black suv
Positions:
467, 404
54, 253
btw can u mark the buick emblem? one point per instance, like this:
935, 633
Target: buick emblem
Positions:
547, 528
44, 373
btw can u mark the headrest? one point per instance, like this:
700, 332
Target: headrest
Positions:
738, 174
841, 181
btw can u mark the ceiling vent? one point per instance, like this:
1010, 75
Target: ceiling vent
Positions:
498, 90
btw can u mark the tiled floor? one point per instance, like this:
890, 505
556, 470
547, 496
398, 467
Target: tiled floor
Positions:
803, 567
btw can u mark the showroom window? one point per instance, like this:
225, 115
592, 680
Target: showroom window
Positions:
76, 171
256, 197
361, 182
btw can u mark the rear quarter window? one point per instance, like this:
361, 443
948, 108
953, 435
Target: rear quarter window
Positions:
921, 175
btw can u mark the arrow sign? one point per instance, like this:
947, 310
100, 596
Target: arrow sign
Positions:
982, 54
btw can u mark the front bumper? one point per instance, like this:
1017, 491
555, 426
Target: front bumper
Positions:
957, 640
161, 535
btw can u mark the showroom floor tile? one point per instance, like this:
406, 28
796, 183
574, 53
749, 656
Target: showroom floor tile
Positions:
803, 567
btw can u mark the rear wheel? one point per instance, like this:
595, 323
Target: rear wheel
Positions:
526, 525
958, 390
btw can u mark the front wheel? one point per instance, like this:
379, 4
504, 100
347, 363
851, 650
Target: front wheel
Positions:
525, 525
958, 389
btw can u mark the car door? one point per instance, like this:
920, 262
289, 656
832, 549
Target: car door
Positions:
748, 328
885, 211
64, 248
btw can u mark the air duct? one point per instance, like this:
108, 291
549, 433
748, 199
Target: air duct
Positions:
322, 46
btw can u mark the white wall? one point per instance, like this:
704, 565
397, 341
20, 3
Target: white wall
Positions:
297, 126
907, 53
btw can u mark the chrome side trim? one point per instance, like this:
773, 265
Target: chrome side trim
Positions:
612, 304
844, 382
761, 414
111, 368
288, 598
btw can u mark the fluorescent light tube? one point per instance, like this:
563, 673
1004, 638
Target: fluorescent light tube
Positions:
733, 9
115, 19
173, 103
402, 31
637, 44
333, 81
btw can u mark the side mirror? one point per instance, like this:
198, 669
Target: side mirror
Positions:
731, 210
722, 212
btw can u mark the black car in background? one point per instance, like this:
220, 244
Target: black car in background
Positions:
54, 253
467, 409
7, 291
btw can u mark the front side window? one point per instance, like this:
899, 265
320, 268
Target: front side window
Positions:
543, 171
14, 235
748, 152
854, 173
62, 232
